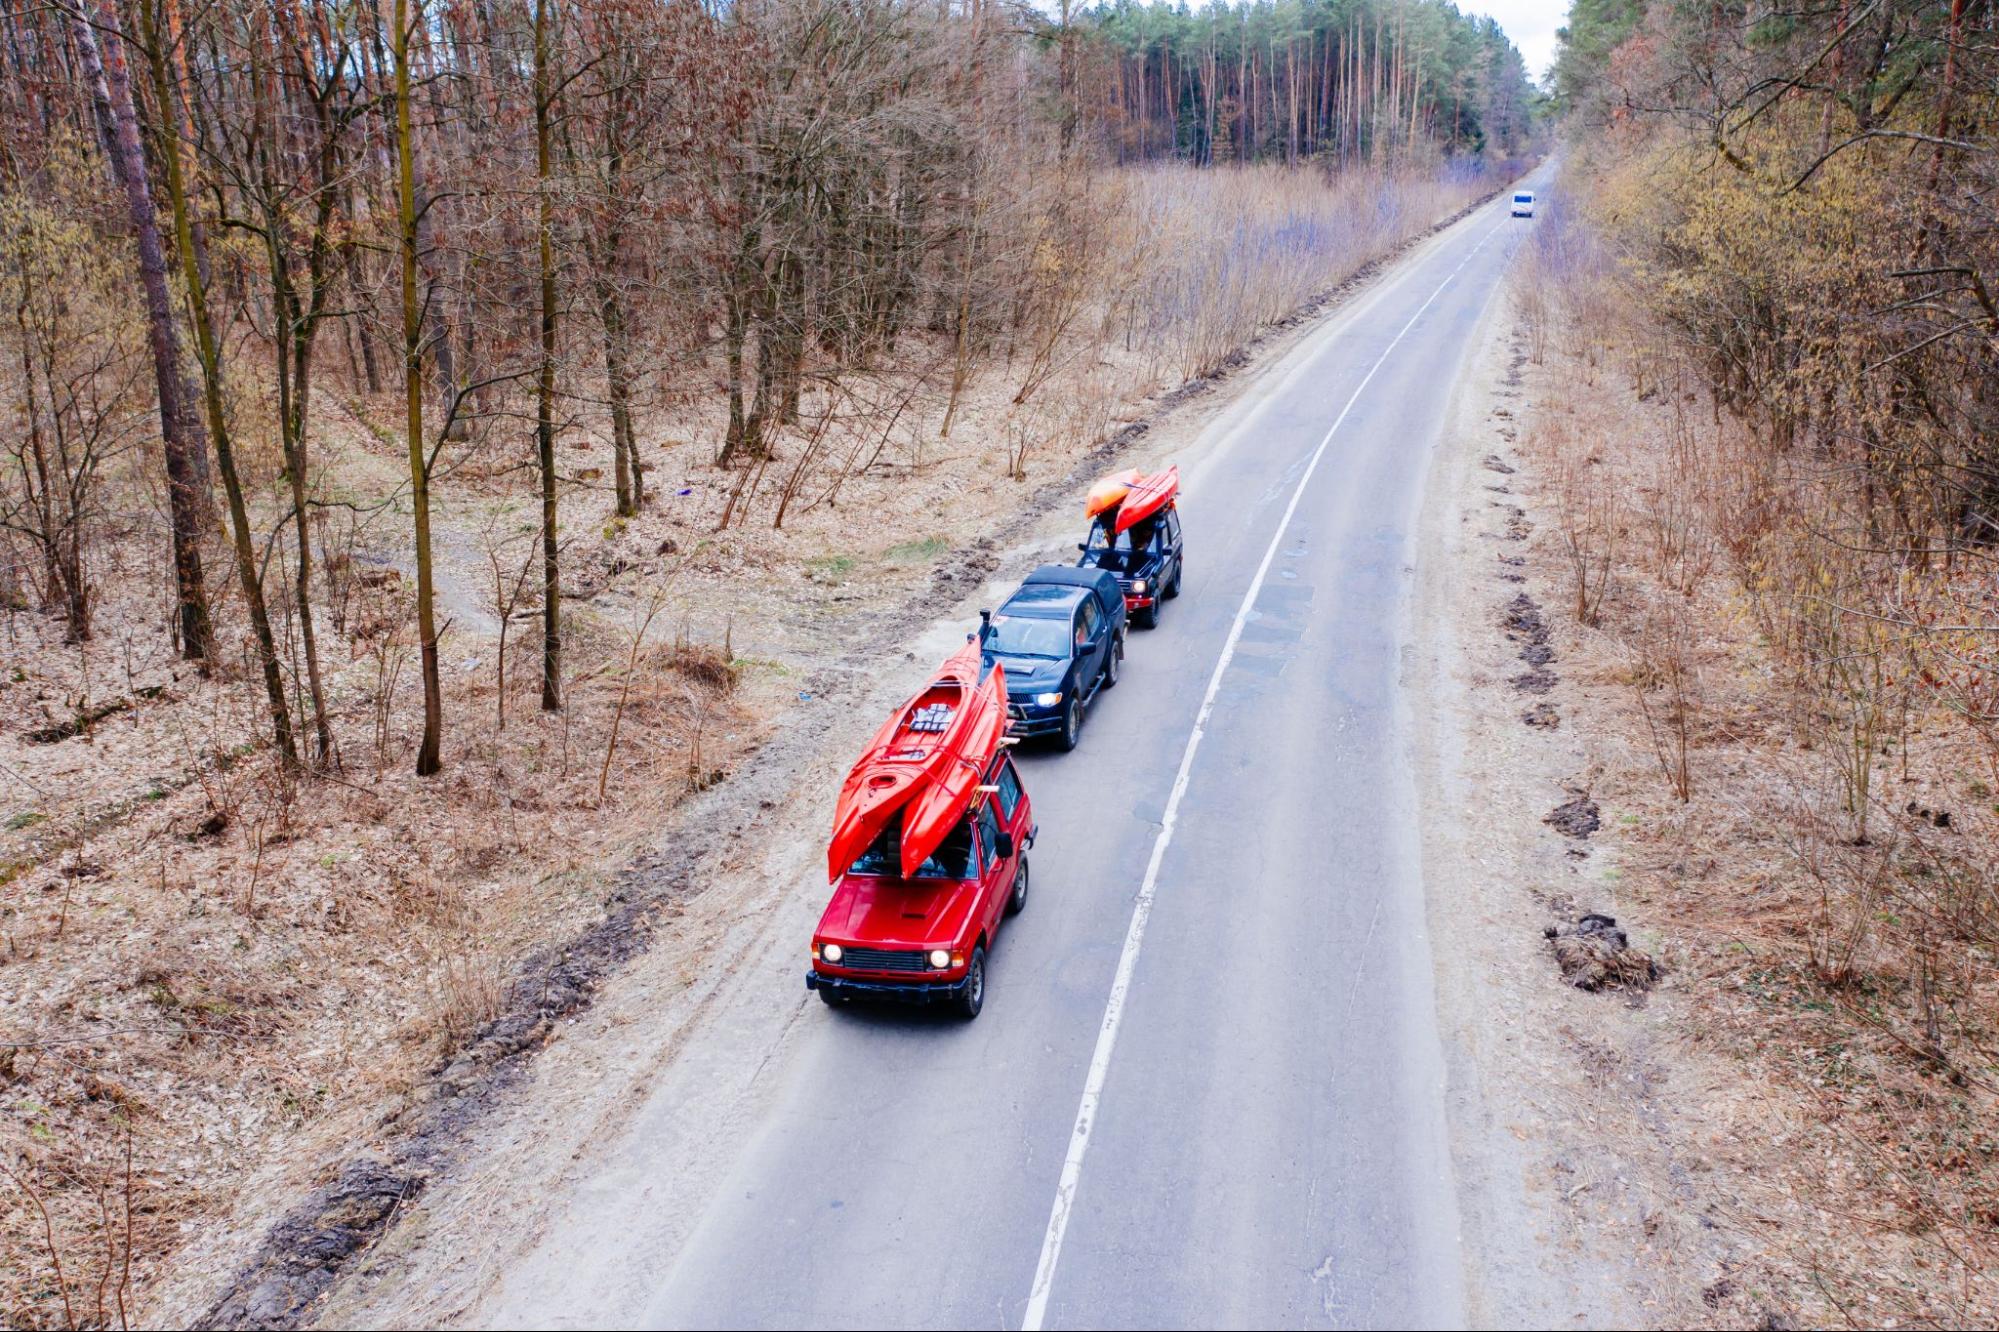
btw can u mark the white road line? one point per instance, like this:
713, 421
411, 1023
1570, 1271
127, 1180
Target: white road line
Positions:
1141, 911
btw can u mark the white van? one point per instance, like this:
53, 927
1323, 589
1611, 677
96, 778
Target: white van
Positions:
1523, 204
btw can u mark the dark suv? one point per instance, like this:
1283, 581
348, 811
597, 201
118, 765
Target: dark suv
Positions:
1061, 638
1146, 558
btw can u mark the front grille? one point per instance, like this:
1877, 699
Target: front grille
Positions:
884, 959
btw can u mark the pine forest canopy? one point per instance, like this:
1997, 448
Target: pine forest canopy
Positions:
1287, 79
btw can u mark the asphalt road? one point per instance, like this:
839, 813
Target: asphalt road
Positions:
1264, 1140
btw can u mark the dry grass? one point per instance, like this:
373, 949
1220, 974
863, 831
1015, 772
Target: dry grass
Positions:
1214, 256
203, 962
1808, 821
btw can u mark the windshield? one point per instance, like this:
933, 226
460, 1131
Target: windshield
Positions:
952, 860
1014, 636
1124, 552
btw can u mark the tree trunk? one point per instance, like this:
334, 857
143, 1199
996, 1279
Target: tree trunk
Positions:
295, 327
119, 127
544, 397
428, 759
210, 353
624, 445
734, 327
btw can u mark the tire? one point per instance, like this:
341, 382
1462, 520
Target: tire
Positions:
1071, 733
1173, 588
1149, 617
1017, 899
974, 998
1115, 664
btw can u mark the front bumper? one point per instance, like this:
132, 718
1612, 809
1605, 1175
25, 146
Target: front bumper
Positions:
1136, 603
1030, 719
900, 992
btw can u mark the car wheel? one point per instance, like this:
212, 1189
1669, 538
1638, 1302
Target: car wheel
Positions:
1173, 588
1072, 723
1115, 664
973, 997
1149, 617
1018, 897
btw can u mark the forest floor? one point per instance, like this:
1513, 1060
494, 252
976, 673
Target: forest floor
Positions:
1745, 1144
217, 984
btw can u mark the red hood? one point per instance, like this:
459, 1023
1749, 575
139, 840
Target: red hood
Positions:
886, 913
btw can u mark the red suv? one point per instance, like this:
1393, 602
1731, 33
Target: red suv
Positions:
923, 939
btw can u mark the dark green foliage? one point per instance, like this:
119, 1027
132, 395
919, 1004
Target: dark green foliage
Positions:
1288, 80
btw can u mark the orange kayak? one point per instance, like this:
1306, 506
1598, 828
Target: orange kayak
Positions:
1109, 492
931, 814
1147, 496
925, 741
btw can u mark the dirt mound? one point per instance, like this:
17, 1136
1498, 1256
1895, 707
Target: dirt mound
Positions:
1575, 818
1596, 955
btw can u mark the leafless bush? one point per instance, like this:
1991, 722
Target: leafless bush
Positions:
1020, 441
1586, 513
468, 990
1666, 682
1674, 516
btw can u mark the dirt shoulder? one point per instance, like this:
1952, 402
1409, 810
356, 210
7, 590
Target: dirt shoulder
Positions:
1731, 1145
1567, 1108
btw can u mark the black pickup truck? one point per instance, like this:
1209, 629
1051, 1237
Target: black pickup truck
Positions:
1061, 638
1147, 560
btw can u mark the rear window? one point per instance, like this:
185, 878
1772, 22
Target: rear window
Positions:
1126, 551
952, 860
1009, 789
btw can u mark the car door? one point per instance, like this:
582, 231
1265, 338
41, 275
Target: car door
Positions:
1016, 811
1089, 643
995, 870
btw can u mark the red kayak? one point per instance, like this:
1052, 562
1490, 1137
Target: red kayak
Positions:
951, 720
931, 814
1148, 495
1109, 492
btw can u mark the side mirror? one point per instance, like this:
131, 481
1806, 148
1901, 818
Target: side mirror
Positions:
1004, 844
1083, 546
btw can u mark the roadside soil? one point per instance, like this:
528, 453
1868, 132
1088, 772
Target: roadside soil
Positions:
1576, 1123
422, 1156
1733, 1145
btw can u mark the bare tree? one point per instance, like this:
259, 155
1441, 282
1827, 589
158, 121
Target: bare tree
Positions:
118, 125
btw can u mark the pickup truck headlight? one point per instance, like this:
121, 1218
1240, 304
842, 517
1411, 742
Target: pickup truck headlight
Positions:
940, 958
832, 953
1138, 586
1048, 700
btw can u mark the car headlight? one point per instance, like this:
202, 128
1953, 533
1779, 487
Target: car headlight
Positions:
833, 953
940, 958
1138, 586
1048, 700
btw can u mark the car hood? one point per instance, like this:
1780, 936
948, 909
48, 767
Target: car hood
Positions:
1031, 675
897, 913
